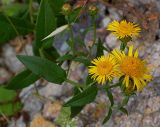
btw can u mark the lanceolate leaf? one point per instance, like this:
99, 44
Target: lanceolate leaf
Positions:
46, 23
122, 109
76, 110
99, 48
83, 98
45, 68
82, 59
108, 116
57, 31
48, 18
22, 80
110, 96
65, 57
49, 53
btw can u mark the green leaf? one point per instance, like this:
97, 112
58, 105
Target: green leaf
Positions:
46, 23
22, 80
75, 111
45, 68
49, 53
56, 5
65, 57
125, 100
108, 116
7, 95
88, 80
11, 27
82, 59
100, 48
74, 15
110, 96
122, 109
10, 109
83, 98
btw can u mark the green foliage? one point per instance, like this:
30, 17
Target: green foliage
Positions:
12, 27
82, 59
9, 104
76, 110
9, 109
122, 109
6, 95
108, 116
83, 98
49, 53
22, 80
46, 22
110, 96
45, 68
65, 57
100, 48
20, 19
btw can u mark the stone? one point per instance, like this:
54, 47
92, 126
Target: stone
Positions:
17, 123
32, 105
39, 121
52, 110
112, 41
10, 59
4, 75
51, 90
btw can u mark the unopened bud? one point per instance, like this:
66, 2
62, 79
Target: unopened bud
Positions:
92, 10
66, 9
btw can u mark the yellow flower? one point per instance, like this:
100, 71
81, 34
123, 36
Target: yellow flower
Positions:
132, 68
104, 68
124, 29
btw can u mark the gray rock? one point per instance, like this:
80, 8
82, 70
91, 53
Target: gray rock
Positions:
10, 58
4, 75
51, 90
32, 105
112, 41
17, 123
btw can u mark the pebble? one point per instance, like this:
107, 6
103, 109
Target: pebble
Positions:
40, 121
4, 75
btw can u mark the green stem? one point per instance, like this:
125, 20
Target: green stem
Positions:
5, 117
123, 46
74, 84
12, 25
94, 28
30, 10
71, 34
94, 35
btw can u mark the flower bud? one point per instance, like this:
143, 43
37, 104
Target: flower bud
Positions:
66, 9
92, 10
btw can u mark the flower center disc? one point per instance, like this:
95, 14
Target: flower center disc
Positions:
132, 66
125, 29
104, 68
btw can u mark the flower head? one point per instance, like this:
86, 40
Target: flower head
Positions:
104, 68
124, 29
66, 9
134, 70
92, 10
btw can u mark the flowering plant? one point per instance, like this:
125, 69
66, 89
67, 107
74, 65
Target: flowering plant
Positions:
121, 67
